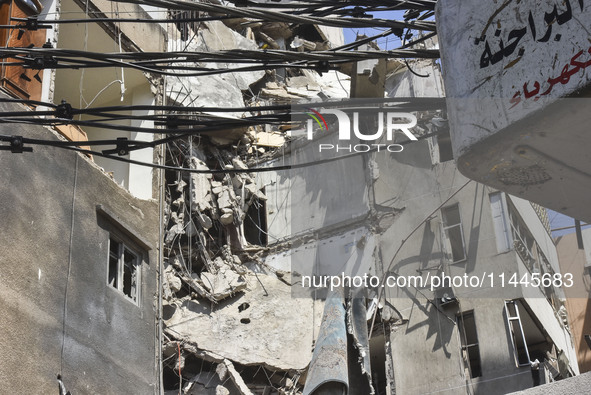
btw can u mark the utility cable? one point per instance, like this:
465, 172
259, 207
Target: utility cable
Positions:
267, 15
25, 140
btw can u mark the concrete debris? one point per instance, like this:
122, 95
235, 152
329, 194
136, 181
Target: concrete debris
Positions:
227, 332
200, 187
174, 283
303, 45
232, 260
273, 139
222, 371
221, 390
223, 90
217, 190
176, 229
227, 219
238, 164
223, 284
311, 85
222, 303
180, 185
225, 199
237, 379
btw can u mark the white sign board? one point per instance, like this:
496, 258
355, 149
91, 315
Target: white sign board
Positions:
503, 60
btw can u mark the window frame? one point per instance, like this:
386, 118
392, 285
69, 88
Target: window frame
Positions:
115, 228
464, 348
125, 246
502, 225
446, 229
516, 334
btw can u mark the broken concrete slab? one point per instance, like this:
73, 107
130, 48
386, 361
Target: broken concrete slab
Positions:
200, 187
225, 199
238, 164
271, 139
205, 90
235, 334
174, 283
223, 284
237, 379
227, 218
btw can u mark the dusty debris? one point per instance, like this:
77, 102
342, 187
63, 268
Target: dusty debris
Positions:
272, 139
221, 390
223, 284
237, 379
174, 283
216, 307
236, 335
200, 187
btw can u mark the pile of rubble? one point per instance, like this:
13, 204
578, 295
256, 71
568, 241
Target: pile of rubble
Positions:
231, 323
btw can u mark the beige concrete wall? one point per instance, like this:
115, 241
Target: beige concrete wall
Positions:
147, 37
60, 314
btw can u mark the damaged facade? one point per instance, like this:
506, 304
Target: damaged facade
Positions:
239, 244
224, 304
80, 235
193, 282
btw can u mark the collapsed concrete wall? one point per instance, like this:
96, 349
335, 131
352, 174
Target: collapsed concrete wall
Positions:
231, 322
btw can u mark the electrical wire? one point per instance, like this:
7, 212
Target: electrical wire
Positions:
169, 63
420, 103
268, 15
58, 144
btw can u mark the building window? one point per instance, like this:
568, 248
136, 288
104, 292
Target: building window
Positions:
498, 208
517, 334
528, 337
444, 146
469, 342
454, 234
124, 273
255, 223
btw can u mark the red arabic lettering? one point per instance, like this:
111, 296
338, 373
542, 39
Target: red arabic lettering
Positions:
563, 78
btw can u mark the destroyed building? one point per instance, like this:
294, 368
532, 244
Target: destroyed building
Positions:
80, 236
189, 278
238, 242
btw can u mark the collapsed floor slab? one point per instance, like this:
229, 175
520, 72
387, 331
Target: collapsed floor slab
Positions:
265, 325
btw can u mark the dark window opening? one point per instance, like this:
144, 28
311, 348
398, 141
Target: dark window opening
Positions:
444, 144
170, 378
377, 352
184, 27
255, 223
469, 341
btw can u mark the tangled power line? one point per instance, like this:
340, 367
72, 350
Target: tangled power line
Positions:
175, 122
